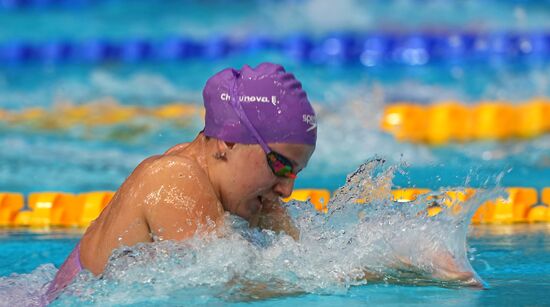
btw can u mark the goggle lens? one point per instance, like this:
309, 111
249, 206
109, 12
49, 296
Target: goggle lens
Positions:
280, 165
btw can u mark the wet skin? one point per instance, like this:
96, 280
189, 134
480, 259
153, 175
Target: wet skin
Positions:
172, 196
188, 189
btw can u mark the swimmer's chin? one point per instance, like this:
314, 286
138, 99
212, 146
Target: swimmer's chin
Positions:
252, 212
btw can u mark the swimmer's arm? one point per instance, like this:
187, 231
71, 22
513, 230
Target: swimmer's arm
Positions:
180, 201
274, 216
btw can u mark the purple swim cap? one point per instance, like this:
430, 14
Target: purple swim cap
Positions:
257, 106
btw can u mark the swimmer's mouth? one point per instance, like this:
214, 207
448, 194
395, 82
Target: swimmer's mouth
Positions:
257, 205
266, 200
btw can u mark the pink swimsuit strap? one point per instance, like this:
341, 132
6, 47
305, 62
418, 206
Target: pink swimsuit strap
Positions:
67, 272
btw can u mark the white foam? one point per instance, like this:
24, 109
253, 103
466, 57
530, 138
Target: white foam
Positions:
395, 241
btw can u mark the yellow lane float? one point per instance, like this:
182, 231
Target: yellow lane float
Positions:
176, 111
436, 124
448, 121
62, 209
541, 212
545, 196
512, 209
10, 204
534, 118
451, 199
492, 121
318, 197
46, 209
90, 206
405, 121
105, 112
408, 195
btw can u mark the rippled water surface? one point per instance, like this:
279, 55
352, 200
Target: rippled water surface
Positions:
326, 267
511, 259
365, 248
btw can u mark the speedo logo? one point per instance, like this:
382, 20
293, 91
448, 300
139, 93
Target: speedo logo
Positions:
244, 98
310, 120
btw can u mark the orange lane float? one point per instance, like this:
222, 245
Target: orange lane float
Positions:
452, 199
492, 121
90, 206
47, 208
512, 209
450, 121
545, 196
541, 212
436, 124
534, 118
56, 209
318, 197
106, 112
405, 121
412, 194
408, 195
176, 111
10, 204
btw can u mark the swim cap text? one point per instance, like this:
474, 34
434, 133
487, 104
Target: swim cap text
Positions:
262, 99
310, 120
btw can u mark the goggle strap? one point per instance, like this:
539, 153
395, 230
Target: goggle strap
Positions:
237, 107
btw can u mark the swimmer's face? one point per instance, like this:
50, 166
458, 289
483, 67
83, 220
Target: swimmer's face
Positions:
248, 181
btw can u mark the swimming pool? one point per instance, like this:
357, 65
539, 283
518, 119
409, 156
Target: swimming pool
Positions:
511, 259
78, 159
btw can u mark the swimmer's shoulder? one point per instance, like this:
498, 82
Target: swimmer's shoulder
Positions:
172, 168
176, 172
179, 197
176, 148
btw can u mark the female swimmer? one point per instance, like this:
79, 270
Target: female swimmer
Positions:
259, 133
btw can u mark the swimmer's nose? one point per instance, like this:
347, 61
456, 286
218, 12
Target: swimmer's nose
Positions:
284, 187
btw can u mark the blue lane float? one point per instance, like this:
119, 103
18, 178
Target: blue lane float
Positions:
368, 49
44, 4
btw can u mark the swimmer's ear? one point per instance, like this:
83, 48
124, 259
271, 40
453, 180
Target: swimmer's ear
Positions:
224, 146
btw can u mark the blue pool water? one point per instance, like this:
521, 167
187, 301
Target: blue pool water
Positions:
511, 259
106, 155
349, 100
82, 159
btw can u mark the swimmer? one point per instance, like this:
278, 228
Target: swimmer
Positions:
260, 132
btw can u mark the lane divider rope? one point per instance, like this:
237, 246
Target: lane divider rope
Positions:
451, 121
342, 48
60, 209
102, 113
435, 124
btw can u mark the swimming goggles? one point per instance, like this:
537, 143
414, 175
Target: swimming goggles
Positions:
279, 164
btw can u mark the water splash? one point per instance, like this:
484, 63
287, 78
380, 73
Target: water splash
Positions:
364, 238
26, 289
